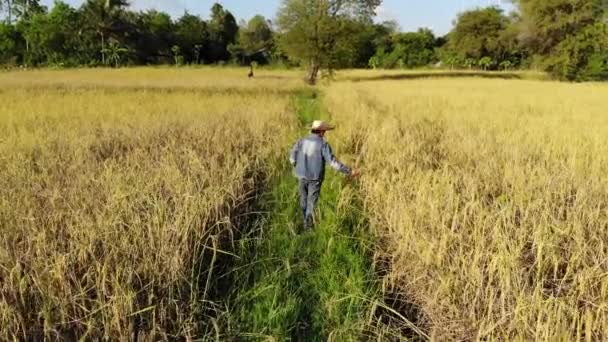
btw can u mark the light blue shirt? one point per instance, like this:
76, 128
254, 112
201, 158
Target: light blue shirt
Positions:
309, 156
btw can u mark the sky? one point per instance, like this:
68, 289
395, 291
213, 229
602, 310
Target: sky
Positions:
438, 15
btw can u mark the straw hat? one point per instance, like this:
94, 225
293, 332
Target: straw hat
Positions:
319, 125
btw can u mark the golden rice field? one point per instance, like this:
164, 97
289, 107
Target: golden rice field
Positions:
113, 200
120, 189
489, 199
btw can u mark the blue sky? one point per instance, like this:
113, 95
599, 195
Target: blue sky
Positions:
437, 15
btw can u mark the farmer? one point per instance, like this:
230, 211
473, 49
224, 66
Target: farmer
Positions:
308, 157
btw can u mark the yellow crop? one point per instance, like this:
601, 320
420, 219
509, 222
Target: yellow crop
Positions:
116, 192
489, 199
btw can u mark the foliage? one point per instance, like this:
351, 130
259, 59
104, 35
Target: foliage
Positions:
105, 18
114, 53
408, 50
322, 33
255, 41
50, 36
223, 30
566, 38
69, 36
191, 34
583, 56
152, 35
481, 33
9, 40
485, 62
176, 54
568, 35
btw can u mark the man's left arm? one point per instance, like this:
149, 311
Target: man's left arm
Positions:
293, 155
329, 157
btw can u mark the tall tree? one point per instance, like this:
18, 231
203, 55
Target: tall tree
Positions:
153, 37
318, 32
24, 10
52, 36
477, 34
565, 33
223, 31
104, 16
547, 23
255, 41
192, 37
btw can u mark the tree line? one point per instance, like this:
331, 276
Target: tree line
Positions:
566, 38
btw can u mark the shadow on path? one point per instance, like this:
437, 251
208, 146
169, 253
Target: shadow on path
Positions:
446, 74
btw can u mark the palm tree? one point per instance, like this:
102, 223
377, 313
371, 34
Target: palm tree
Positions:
104, 16
176, 54
485, 63
114, 52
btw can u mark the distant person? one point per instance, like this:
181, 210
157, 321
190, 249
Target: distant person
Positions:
309, 156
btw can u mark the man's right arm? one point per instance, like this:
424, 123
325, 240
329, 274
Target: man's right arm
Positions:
328, 156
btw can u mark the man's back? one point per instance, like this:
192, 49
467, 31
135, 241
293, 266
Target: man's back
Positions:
309, 156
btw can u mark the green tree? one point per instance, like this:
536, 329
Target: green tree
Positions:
255, 41
24, 10
322, 33
114, 52
469, 63
370, 38
192, 36
223, 30
176, 54
374, 62
153, 37
410, 50
478, 33
583, 56
104, 16
51, 36
548, 23
568, 35
485, 62
450, 58
9, 38
506, 65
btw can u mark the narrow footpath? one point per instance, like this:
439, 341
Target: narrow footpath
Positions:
300, 285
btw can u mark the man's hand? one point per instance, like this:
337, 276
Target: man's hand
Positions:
355, 174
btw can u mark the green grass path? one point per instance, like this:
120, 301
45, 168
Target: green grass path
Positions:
310, 286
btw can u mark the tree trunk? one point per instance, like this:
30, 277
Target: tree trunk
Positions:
27, 42
313, 72
103, 49
10, 11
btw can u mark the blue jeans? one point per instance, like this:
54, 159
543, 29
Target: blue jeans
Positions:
310, 191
